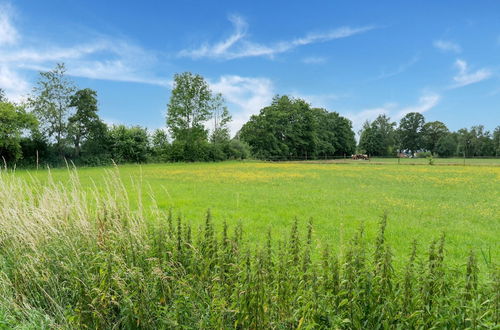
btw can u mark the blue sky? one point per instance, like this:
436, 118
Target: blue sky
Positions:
361, 59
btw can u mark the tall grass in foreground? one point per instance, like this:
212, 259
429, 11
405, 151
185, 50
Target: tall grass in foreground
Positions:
73, 259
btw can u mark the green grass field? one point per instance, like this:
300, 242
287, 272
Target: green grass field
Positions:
421, 201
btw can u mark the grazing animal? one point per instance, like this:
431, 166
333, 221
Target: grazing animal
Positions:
360, 156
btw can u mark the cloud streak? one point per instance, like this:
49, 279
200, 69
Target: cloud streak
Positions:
237, 46
447, 46
464, 77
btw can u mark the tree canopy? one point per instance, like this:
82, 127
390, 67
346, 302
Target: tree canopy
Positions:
290, 129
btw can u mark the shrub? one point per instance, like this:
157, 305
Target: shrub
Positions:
424, 154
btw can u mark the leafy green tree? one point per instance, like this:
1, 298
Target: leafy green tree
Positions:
13, 121
129, 144
370, 141
446, 145
284, 130
97, 147
475, 142
378, 137
189, 108
85, 118
483, 142
465, 141
51, 101
410, 131
221, 118
290, 129
431, 133
160, 145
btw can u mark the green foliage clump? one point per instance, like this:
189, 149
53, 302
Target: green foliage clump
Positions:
291, 129
78, 260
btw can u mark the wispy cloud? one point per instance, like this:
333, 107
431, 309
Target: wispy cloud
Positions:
8, 33
425, 103
400, 69
104, 57
237, 45
314, 60
464, 77
245, 95
447, 46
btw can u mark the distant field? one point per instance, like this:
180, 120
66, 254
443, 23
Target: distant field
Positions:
421, 201
422, 161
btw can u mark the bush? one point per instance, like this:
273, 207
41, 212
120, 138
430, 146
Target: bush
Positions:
424, 154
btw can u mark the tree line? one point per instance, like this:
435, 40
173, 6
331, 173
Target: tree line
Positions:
59, 122
383, 137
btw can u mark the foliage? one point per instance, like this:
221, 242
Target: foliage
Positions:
475, 142
51, 101
432, 132
446, 145
410, 131
221, 118
66, 128
496, 141
129, 144
189, 108
13, 121
100, 265
85, 119
378, 137
160, 146
290, 129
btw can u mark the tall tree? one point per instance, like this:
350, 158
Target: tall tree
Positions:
431, 133
410, 131
378, 137
85, 117
221, 118
290, 129
370, 141
51, 101
189, 108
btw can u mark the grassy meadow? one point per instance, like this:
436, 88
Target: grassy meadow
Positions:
420, 201
285, 246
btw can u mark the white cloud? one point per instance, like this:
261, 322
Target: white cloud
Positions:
13, 83
314, 60
425, 103
245, 95
447, 46
8, 34
104, 58
464, 77
236, 45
